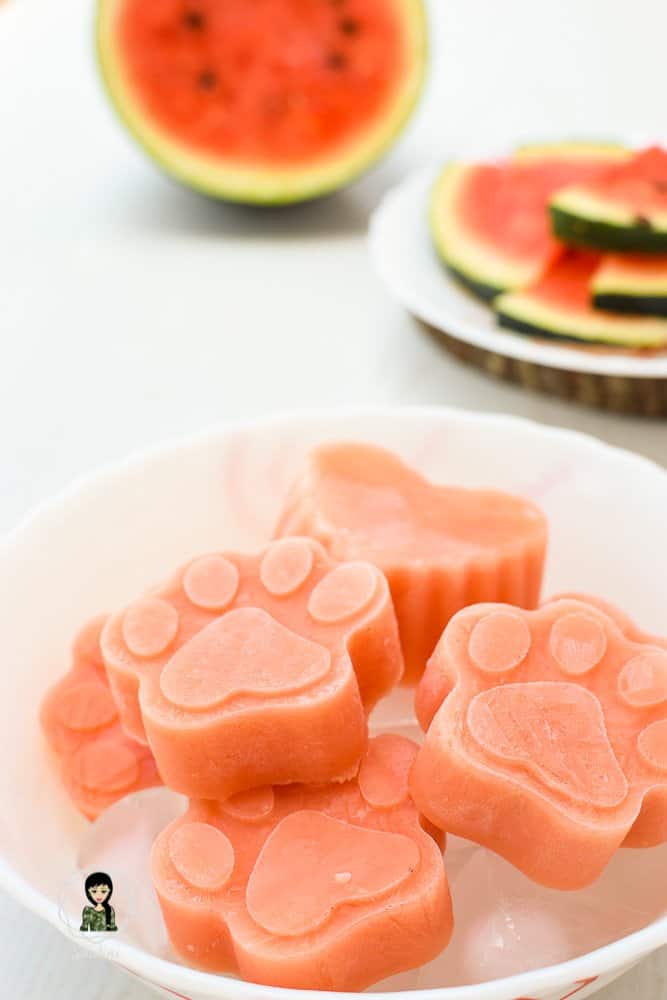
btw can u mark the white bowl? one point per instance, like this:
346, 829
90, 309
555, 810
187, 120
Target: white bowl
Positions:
110, 535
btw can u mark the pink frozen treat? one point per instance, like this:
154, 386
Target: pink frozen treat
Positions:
248, 670
100, 763
329, 887
546, 738
440, 547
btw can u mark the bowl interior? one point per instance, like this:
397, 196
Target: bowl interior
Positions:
109, 537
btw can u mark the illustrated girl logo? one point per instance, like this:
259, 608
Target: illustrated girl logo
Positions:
99, 916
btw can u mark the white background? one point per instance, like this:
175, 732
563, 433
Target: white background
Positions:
132, 311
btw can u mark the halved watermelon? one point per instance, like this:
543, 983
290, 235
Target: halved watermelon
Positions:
632, 283
263, 101
559, 305
624, 208
490, 222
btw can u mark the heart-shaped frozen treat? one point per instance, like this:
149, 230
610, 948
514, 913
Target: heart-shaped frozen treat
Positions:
440, 547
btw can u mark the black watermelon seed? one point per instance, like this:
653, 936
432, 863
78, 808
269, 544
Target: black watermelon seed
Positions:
276, 105
194, 20
642, 222
349, 26
207, 80
336, 60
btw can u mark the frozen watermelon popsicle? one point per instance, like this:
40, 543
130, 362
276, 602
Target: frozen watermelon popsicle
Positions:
247, 670
330, 887
546, 737
99, 762
440, 547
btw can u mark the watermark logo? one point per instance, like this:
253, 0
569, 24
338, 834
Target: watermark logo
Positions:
99, 916
87, 912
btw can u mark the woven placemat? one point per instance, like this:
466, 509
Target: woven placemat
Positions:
646, 397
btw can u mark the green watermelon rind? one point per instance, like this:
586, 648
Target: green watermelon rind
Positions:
248, 183
482, 269
523, 313
478, 288
633, 305
622, 284
587, 220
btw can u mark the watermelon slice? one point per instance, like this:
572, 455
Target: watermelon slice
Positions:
489, 221
263, 101
624, 208
632, 283
559, 304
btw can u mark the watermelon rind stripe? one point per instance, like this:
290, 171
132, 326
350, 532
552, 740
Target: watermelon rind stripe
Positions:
524, 313
571, 149
631, 285
478, 288
583, 219
638, 305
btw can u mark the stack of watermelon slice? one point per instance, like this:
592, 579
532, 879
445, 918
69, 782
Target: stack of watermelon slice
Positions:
566, 240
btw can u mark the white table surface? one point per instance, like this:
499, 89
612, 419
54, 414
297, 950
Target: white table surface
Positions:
132, 311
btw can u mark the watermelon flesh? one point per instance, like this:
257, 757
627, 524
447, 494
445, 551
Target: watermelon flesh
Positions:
491, 224
490, 221
560, 304
505, 204
567, 283
640, 184
268, 81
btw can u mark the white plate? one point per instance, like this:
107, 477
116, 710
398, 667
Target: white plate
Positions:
403, 255
118, 531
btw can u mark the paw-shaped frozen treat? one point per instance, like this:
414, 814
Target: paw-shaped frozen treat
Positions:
546, 738
329, 887
440, 547
248, 670
99, 762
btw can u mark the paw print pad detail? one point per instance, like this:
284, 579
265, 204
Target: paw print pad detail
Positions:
555, 716
627, 626
540, 725
99, 762
308, 887
340, 863
252, 670
441, 547
246, 652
